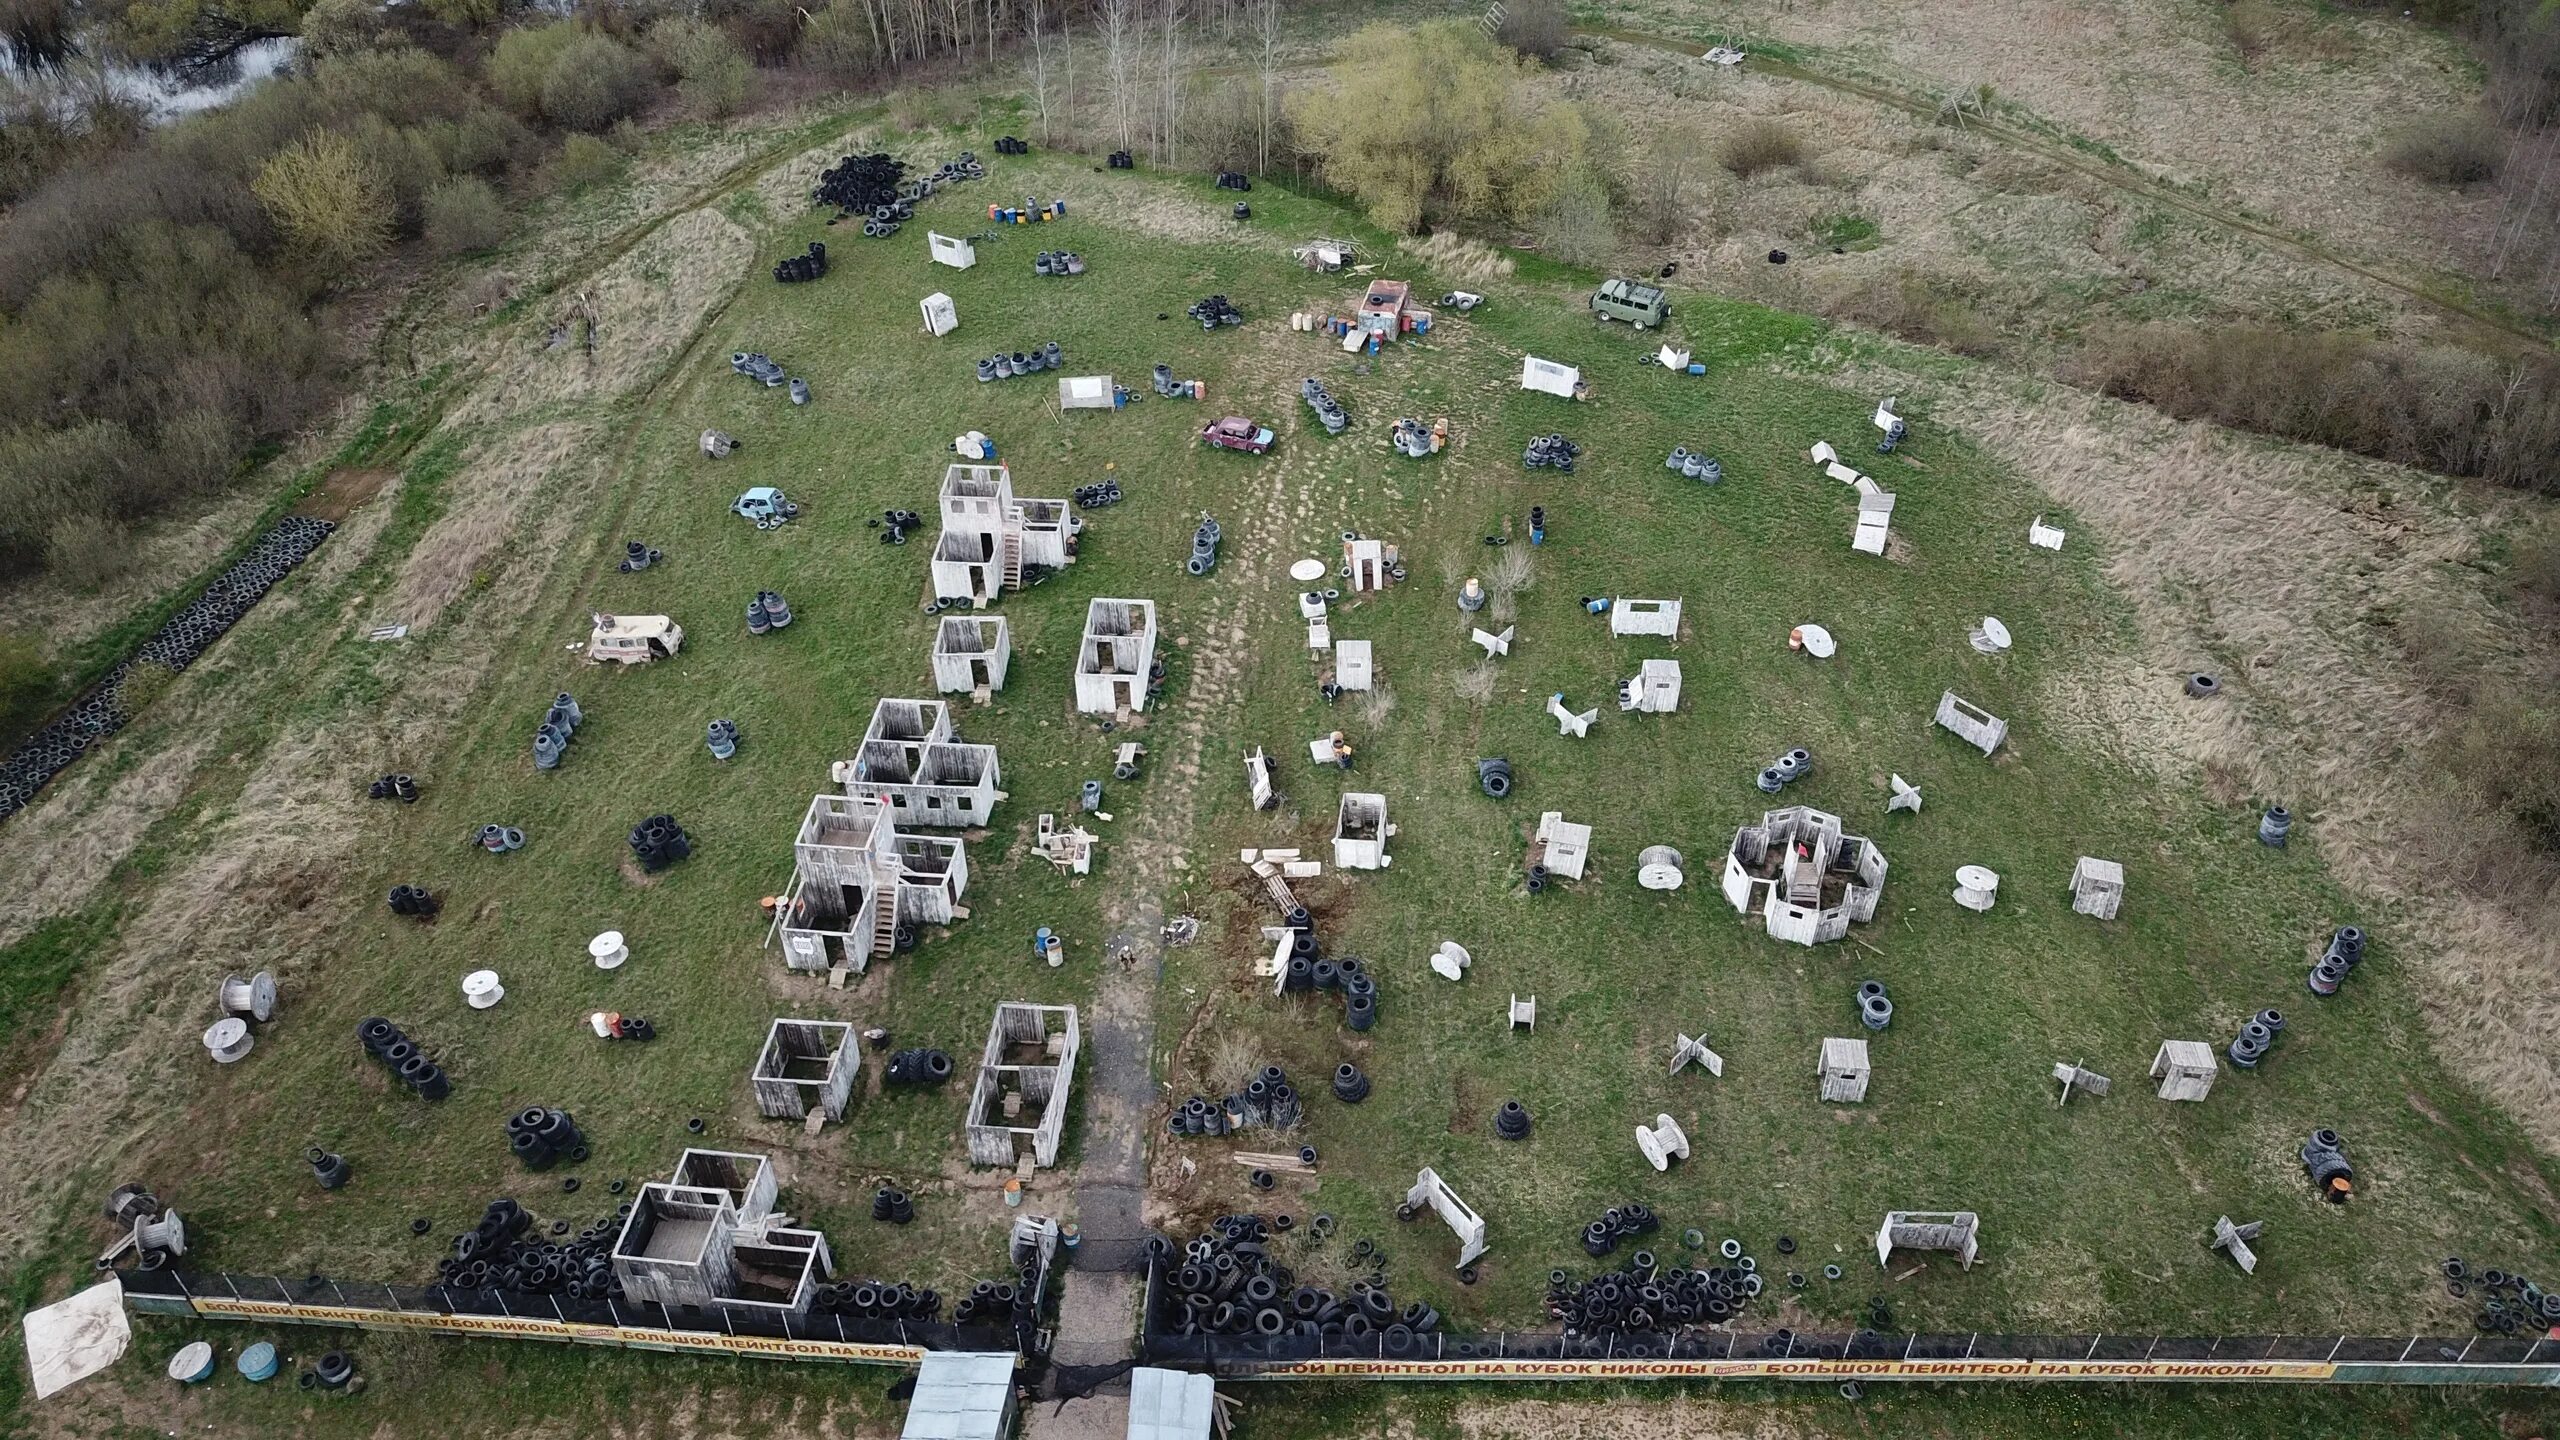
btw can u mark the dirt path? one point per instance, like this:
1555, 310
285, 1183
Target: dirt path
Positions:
1098, 1308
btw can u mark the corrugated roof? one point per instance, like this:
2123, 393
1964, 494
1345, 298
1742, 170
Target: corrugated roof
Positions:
1169, 1404
961, 1395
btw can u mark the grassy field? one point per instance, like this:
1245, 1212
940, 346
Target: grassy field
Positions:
2093, 1216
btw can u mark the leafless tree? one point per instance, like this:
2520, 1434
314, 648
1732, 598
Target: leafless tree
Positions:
1120, 21
1040, 64
1266, 70
1170, 82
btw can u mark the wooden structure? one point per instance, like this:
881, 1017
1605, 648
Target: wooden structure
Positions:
1692, 1050
1088, 392
1353, 665
1115, 656
1662, 1142
2076, 1077
2097, 887
806, 1067
1550, 378
2185, 1069
1958, 1231
857, 881
1524, 1013
2043, 536
1257, 780
1875, 522
1429, 1189
989, 536
1906, 796
633, 639
1563, 847
1018, 1105
2234, 1241
1070, 849
1361, 832
1364, 564
1645, 617
1844, 1070
941, 317
709, 1238
1172, 1405
911, 760
1382, 309
956, 251
1974, 725
1653, 690
1809, 880
971, 654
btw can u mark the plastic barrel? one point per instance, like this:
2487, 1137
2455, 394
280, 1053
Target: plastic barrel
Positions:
258, 1362
193, 1364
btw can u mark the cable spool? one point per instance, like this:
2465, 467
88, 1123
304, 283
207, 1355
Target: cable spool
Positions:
1990, 637
481, 990
226, 1040
608, 951
1976, 887
1658, 867
253, 999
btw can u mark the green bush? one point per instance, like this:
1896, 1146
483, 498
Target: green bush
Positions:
595, 81
839, 43
522, 63
463, 215
710, 70
584, 160
28, 687
88, 550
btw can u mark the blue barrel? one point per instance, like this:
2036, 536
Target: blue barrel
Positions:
258, 1362
193, 1364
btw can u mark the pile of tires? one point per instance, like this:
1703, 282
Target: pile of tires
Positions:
559, 726
1641, 1297
757, 366
543, 1136
857, 184
1786, 770
988, 1302
659, 842
1057, 262
2344, 953
403, 788
174, 646
1309, 969
721, 738
1123, 160
1551, 452
2324, 1159
1225, 1282
1094, 497
1213, 311
767, 612
795, 269
413, 902
637, 556
876, 1300
1619, 1222
1329, 411
2257, 1036
1204, 546
894, 525
1875, 1008
1010, 145
383, 1041
510, 1249
918, 1066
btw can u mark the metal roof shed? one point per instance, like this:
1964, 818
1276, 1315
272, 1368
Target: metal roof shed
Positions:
1170, 1404
962, 1395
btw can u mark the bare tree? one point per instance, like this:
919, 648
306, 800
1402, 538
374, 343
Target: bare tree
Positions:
1120, 21
1266, 71
1039, 65
1170, 82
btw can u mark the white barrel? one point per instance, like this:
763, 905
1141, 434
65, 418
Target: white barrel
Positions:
1976, 887
607, 950
227, 1039
1658, 867
481, 989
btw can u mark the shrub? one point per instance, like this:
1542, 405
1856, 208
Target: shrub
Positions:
2448, 150
463, 215
339, 27
408, 161
1575, 225
2533, 562
710, 70
1536, 28
1759, 146
593, 82
584, 160
1921, 310
28, 686
327, 199
486, 141
522, 63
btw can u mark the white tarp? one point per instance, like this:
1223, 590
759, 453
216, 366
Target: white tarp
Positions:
73, 1339
1548, 377
1084, 392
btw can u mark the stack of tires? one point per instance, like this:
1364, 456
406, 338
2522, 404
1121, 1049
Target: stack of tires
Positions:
403, 788
543, 1136
637, 556
1123, 160
2257, 1036
2345, 951
876, 1300
414, 902
383, 1041
1786, 770
767, 612
1643, 1298
1694, 464
1225, 1282
1875, 1008
1329, 411
918, 1066
721, 737
509, 1249
1204, 547
559, 726
2324, 1158
1617, 1223
659, 842
1047, 356
1213, 311
1096, 496
892, 1206
1232, 180
1551, 451
795, 269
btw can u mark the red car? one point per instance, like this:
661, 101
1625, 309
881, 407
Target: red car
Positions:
1237, 433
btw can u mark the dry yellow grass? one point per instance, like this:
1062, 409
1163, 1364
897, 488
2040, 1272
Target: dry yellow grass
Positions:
491, 491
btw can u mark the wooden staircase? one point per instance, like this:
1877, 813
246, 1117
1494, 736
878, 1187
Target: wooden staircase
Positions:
884, 922
1012, 549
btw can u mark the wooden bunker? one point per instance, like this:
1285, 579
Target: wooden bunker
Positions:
806, 1066
1018, 1105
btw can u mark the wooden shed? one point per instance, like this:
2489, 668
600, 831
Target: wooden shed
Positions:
1844, 1070
2185, 1069
972, 653
1019, 1101
805, 1065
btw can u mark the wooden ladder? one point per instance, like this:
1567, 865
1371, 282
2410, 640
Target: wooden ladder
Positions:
1012, 544
884, 921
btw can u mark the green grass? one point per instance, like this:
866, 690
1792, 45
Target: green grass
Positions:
2093, 1216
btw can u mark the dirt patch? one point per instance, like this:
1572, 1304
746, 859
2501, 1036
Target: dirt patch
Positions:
1615, 1419
339, 494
